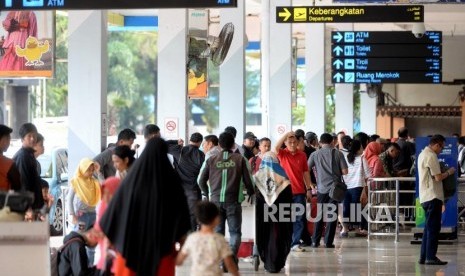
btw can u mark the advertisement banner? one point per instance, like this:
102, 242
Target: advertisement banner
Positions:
198, 53
27, 44
449, 156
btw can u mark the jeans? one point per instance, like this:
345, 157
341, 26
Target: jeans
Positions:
85, 222
430, 239
231, 212
298, 224
324, 200
352, 197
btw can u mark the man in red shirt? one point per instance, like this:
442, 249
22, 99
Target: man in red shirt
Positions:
294, 163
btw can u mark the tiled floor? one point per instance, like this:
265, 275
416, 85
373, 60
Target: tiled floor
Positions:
357, 256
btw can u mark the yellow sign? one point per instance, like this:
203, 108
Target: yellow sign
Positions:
324, 14
300, 14
285, 14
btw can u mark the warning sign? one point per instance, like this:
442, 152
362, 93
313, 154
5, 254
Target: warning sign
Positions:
171, 128
281, 129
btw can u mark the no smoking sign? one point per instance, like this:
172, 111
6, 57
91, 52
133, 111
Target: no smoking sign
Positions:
171, 128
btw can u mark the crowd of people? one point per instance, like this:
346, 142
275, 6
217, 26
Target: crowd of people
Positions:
140, 209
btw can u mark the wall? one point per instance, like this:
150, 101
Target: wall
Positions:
429, 126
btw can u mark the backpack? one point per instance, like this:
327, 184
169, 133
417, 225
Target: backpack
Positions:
448, 184
55, 256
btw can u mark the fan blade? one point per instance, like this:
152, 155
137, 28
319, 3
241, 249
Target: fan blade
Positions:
224, 43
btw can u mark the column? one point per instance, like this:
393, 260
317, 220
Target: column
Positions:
280, 82
87, 80
232, 74
172, 78
315, 113
345, 100
367, 114
265, 64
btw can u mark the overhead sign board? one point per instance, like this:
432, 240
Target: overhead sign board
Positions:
386, 64
386, 50
385, 37
386, 57
386, 77
112, 4
348, 14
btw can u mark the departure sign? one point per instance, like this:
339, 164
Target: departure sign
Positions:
386, 57
112, 4
349, 14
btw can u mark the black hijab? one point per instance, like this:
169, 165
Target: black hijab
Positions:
149, 212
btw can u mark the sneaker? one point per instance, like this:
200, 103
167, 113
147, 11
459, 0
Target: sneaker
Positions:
297, 248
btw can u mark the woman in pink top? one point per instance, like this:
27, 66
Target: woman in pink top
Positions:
19, 25
109, 188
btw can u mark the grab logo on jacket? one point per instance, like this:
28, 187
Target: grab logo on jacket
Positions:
225, 164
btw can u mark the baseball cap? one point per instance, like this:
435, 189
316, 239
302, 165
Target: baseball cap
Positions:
250, 135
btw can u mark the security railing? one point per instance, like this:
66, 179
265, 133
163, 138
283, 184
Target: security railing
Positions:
383, 198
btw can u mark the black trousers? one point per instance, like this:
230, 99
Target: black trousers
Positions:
323, 204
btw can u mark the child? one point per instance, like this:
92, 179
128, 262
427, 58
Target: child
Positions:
206, 247
264, 147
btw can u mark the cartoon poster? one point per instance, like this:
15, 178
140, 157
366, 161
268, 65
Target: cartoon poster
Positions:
198, 53
27, 44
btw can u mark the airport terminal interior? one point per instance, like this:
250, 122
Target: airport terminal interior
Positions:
266, 67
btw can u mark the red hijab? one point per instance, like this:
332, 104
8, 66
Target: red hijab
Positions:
371, 153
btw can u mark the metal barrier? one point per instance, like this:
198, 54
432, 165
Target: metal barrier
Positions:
461, 201
386, 195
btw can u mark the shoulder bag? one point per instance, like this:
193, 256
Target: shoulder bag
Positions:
339, 188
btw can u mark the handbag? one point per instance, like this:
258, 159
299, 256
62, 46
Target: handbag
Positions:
339, 188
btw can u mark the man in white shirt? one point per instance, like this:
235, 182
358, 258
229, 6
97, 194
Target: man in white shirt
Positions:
431, 198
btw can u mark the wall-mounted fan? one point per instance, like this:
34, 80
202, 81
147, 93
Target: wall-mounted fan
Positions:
215, 47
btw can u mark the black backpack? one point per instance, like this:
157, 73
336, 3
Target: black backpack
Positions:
449, 184
55, 255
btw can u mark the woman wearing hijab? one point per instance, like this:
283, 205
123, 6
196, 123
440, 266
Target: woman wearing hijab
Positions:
83, 196
82, 199
273, 238
147, 215
372, 152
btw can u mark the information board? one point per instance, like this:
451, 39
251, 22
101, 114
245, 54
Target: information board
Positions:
349, 14
112, 4
386, 57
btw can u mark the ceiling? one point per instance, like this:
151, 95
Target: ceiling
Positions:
448, 18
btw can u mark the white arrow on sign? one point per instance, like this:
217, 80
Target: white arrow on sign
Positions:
338, 37
338, 50
338, 77
338, 63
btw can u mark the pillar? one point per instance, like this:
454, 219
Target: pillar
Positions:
87, 81
315, 102
367, 114
172, 78
280, 81
232, 74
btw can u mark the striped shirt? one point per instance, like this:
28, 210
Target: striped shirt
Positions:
357, 172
